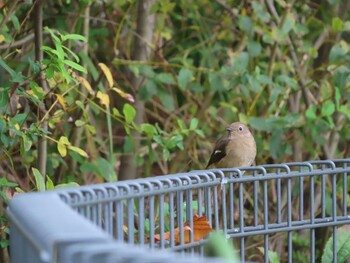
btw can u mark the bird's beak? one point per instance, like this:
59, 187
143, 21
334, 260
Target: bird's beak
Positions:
228, 129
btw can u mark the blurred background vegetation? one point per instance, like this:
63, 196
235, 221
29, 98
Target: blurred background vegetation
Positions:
106, 90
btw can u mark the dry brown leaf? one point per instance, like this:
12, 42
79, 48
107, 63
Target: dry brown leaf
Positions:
107, 73
124, 95
85, 84
201, 227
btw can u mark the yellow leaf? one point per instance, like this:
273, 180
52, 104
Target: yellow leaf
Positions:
17, 127
85, 84
64, 140
78, 150
61, 100
104, 99
2, 38
107, 73
124, 95
61, 149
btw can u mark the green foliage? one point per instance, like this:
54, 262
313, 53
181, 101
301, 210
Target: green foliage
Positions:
284, 73
343, 246
273, 257
219, 246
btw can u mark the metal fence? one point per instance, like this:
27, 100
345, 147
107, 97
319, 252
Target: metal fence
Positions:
271, 206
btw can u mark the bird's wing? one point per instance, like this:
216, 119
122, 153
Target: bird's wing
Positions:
219, 151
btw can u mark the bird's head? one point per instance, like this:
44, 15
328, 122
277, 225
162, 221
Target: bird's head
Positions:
237, 130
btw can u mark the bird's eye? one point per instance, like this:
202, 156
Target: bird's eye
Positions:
240, 128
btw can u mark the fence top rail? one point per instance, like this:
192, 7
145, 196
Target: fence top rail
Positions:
202, 178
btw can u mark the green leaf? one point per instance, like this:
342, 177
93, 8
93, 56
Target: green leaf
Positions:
4, 182
4, 99
311, 112
194, 124
49, 183
288, 24
337, 54
107, 170
129, 113
245, 23
74, 55
165, 78
73, 37
254, 48
78, 150
337, 24
259, 124
262, 14
343, 246
333, 2
216, 82
328, 108
75, 66
79, 123
185, 76
147, 71
276, 143
344, 109
15, 21
4, 243
27, 143
39, 179
240, 63
219, 246
149, 129
337, 98
16, 76
148, 90
285, 80
166, 99
37, 91
273, 257
71, 184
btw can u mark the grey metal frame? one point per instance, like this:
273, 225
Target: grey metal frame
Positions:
130, 213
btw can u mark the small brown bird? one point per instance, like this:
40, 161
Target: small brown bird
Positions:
235, 149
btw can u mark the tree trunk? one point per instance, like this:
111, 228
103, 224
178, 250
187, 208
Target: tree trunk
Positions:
141, 52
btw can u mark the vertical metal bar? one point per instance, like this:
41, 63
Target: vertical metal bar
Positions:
161, 220
334, 215
241, 220
171, 219
119, 215
242, 254
345, 191
224, 214
189, 216
231, 205
312, 220
99, 210
301, 196
256, 204
108, 217
180, 217
151, 221
141, 220
335, 244
323, 194
207, 197
266, 221
200, 201
130, 220
289, 219
216, 206
279, 213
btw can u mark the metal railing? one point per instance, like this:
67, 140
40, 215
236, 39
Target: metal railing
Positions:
254, 206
